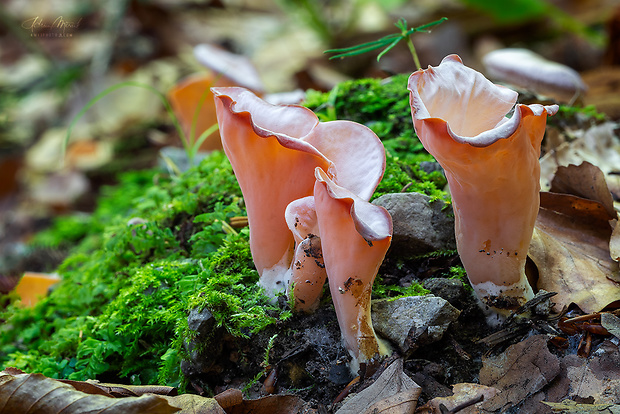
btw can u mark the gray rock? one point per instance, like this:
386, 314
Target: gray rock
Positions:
413, 321
451, 290
430, 166
205, 347
419, 225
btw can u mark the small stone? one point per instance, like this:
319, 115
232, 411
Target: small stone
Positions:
201, 321
419, 225
451, 290
340, 374
413, 321
430, 166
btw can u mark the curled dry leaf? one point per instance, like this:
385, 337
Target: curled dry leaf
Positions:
528, 364
272, 404
21, 392
598, 145
393, 392
586, 181
571, 241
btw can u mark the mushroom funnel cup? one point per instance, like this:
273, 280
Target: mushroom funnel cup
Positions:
491, 164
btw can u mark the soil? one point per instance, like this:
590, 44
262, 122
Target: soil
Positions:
307, 358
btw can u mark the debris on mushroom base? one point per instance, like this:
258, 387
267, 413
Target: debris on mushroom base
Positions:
491, 164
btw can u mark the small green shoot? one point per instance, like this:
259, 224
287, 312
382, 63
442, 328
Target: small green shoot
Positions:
388, 42
268, 350
264, 364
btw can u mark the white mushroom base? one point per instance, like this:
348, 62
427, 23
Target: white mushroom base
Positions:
491, 295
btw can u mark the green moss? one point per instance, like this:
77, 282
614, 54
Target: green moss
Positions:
155, 248
382, 105
382, 291
459, 273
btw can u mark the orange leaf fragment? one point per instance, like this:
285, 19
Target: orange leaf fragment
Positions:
32, 286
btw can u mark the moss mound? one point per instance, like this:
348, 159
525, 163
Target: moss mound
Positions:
155, 248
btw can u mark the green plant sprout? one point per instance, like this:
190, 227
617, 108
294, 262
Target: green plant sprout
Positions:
388, 42
190, 145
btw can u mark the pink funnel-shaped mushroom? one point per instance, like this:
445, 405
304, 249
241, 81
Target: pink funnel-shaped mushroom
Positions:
491, 163
274, 151
355, 236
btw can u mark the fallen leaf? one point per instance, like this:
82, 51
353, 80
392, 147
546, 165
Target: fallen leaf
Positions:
464, 393
574, 237
572, 407
32, 286
586, 181
598, 145
194, 404
393, 392
229, 398
272, 404
595, 379
520, 373
36, 393
570, 247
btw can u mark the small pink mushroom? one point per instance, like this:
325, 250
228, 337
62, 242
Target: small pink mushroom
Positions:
491, 163
355, 236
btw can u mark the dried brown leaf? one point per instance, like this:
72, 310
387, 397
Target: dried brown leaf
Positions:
570, 248
598, 145
595, 379
21, 393
585, 181
393, 392
520, 373
194, 404
272, 404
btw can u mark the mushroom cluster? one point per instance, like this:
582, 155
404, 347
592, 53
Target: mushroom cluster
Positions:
306, 186
491, 164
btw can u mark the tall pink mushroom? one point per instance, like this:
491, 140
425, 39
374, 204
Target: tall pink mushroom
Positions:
491, 163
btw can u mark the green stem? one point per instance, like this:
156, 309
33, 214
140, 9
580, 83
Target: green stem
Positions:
416, 61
